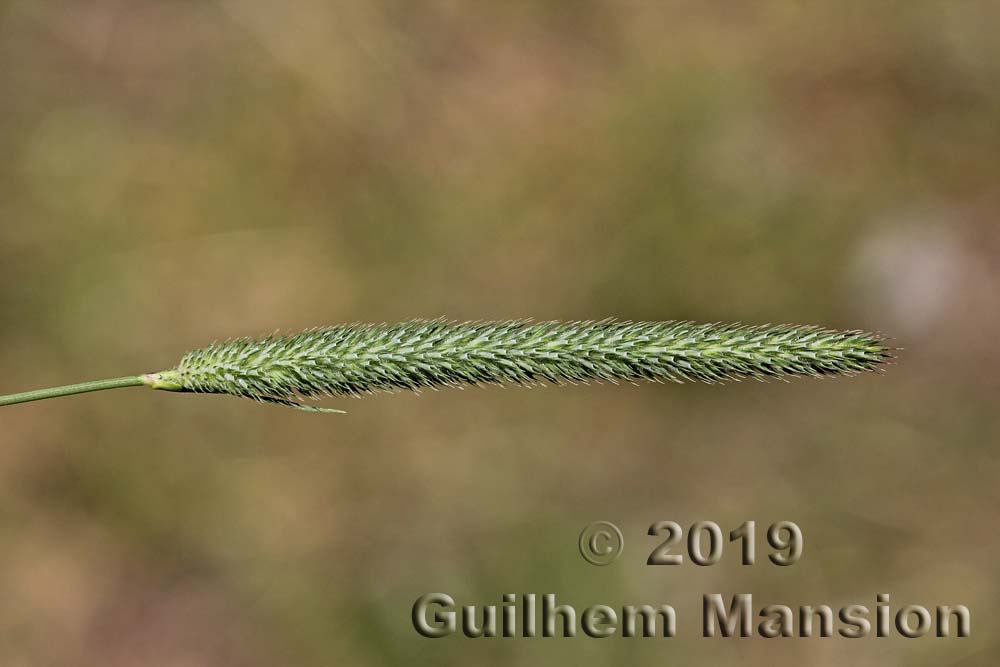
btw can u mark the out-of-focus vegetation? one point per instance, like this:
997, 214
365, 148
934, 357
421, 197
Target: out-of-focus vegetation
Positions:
175, 172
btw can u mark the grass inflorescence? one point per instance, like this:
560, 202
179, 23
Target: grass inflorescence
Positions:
357, 359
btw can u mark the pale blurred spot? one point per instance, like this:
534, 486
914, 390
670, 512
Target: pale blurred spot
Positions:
909, 274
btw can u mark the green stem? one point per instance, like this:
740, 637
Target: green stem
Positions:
69, 390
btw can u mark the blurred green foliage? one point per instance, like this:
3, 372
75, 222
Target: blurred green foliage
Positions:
176, 172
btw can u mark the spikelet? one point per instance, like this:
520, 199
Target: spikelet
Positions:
363, 358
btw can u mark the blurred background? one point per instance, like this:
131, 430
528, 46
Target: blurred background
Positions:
177, 172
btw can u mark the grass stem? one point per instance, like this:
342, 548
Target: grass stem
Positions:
71, 389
